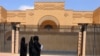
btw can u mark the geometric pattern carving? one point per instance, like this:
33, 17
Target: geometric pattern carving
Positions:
88, 15
11, 14
21, 14
77, 15
65, 14
16, 14
31, 14
49, 6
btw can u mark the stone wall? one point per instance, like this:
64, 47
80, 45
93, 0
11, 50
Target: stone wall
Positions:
96, 16
3, 14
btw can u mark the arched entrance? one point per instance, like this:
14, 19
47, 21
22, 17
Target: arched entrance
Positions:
48, 25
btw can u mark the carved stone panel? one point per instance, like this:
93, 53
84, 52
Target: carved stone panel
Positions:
77, 15
49, 6
65, 14
11, 15
21, 14
31, 14
88, 15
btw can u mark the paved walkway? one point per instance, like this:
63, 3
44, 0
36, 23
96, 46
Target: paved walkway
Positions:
9, 54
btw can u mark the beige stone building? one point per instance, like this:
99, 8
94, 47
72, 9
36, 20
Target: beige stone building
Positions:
52, 14
48, 16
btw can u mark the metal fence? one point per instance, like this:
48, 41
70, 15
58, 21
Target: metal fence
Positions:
93, 41
5, 39
62, 41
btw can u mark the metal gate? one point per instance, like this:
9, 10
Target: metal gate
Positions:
64, 41
5, 38
57, 41
93, 41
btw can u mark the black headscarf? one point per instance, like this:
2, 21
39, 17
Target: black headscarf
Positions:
23, 47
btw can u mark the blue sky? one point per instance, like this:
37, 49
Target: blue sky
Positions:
82, 5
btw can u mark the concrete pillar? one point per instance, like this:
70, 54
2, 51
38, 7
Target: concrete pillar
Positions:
17, 39
82, 40
80, 43
13, 42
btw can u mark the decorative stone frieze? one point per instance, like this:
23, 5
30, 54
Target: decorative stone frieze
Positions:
31, 14
65, 14
77, 15
21, 14
88, 15
11, 15
16, 14
49, 6
80, 15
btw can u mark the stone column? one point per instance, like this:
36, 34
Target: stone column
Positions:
17, 39
13, 38
82, 40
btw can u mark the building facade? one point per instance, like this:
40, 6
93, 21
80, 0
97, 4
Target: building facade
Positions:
47, 16
45, 12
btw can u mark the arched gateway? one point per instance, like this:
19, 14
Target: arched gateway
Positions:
48, 22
